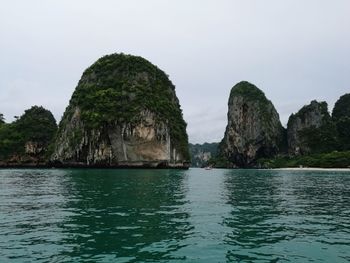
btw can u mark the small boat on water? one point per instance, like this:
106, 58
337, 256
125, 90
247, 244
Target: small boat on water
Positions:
208, 168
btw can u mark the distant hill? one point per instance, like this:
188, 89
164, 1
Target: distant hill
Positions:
201, 153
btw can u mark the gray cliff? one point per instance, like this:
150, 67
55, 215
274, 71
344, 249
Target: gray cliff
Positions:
254, 129
304, 125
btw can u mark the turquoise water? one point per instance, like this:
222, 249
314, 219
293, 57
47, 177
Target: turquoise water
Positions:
174, 216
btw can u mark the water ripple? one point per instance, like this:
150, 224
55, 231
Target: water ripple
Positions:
172, 216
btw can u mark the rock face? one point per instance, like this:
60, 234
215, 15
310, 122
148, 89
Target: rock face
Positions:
33, 148
202, 153
308, 119
123, 113
254, 130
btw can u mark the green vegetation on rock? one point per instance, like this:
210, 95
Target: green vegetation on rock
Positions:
11, 141
320, 140
343, 133
311, 130
302, 113
341, 118
219, 162
36, 125
326, 138
116, 89
249, 91
342, 107
325, 160
314, 137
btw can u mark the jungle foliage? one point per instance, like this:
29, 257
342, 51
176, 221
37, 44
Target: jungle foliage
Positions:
324, 160
36, 124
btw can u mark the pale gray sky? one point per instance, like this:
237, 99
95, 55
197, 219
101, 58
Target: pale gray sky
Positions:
294, 50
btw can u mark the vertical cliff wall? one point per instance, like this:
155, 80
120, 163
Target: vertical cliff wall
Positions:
254, 130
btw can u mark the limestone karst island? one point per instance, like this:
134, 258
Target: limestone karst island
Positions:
313, 138
175, 131
255, 138
124, 112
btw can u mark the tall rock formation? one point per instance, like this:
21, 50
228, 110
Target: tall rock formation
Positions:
254, 129
123, 113
310, 130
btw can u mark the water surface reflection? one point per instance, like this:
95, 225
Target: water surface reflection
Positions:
131, 215
93, 215
281, 216
174, 216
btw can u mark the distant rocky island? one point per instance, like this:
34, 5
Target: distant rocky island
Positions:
255, 138
124, 112
202, 154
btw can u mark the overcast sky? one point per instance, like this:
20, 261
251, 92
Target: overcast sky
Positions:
294, 50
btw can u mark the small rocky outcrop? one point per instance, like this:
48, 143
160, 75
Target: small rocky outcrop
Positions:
123, 113
26, 141
254, 129
33, 148
304, 127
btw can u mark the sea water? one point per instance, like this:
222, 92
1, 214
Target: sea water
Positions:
174, 216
